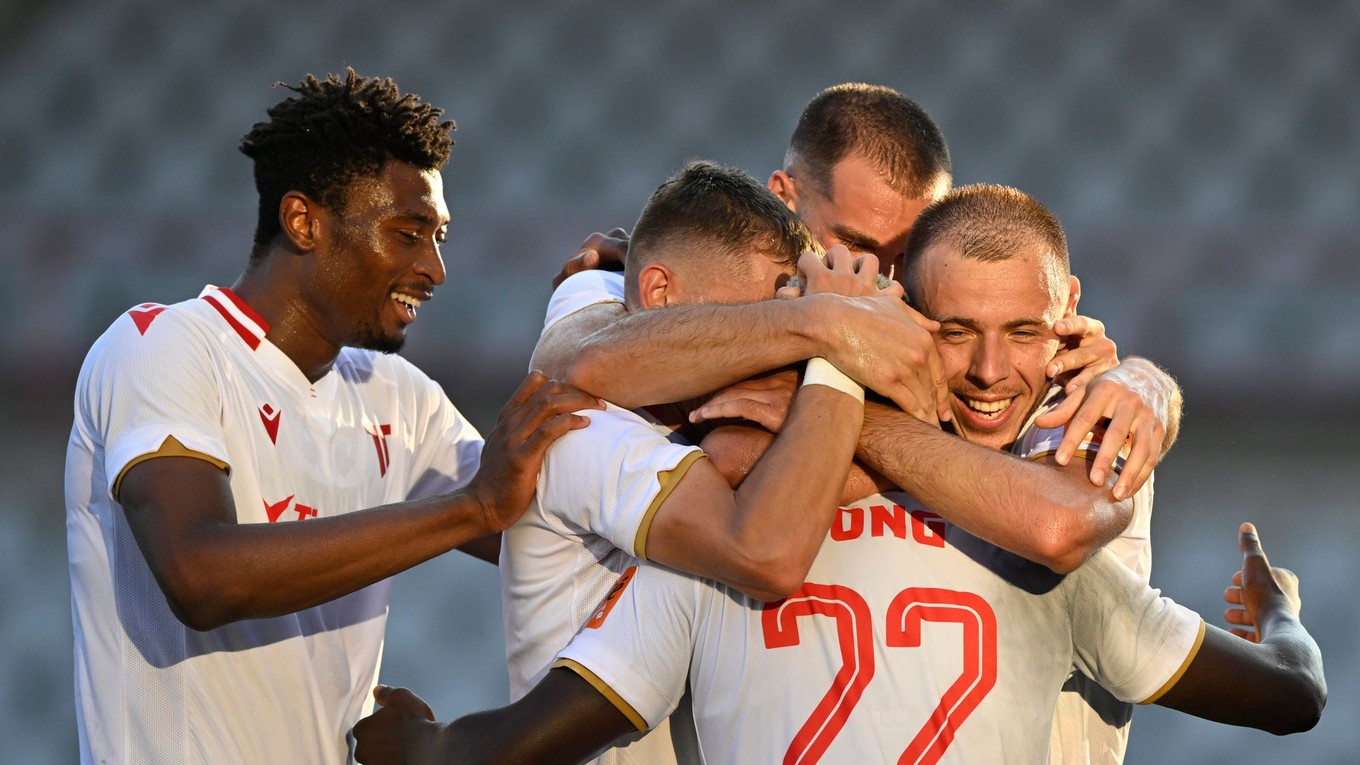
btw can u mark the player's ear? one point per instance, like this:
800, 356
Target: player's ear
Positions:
657, 286
300, 218
781, 183
1073, 295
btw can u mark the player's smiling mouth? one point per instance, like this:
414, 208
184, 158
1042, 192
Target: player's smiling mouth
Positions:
407, 304
986, 411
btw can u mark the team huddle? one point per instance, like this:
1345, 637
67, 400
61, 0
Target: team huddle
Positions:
823, 469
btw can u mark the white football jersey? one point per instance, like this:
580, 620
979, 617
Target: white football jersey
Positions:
1090, 725
374, 430
911, 641
597, 492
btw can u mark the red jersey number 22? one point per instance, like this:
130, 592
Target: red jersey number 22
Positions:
854, 628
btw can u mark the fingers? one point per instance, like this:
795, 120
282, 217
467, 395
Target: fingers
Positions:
1087, 347
1144, 452
935, 380
762, 413
539, 401
532, 382
1087, 417
404, 700
1059, 415
844, 273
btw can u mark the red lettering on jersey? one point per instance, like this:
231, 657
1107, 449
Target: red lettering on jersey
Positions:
380, 434
849, 524
304, 512
144, 314
270, 417
892, 519
927, 528
276, 509
609, 600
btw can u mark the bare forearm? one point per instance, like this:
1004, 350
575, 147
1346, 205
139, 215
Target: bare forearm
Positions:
1031, 509
786, 504
1276, 685
676, 353
562, 721
227, 572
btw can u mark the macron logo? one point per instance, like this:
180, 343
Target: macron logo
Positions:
144, 314
270, 417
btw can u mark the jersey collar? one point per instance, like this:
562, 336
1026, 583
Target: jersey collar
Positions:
248, 324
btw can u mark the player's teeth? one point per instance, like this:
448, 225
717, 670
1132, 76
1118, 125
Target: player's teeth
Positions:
989, 407
407, 299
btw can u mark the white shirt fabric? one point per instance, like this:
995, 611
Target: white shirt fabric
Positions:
911, 638
597, 491
374, 430
1090, 725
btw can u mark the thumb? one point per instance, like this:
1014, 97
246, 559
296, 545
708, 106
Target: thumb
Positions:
1253, 557
382, 694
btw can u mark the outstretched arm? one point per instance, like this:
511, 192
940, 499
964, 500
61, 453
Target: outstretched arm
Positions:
1276, 685
214, 570
562, 721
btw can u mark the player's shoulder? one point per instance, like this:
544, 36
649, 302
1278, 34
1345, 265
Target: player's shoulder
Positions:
153, 326
582, 290
598, 281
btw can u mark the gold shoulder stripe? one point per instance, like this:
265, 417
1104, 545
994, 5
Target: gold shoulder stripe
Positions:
668, 479
170, 447
605, 691
1176, 678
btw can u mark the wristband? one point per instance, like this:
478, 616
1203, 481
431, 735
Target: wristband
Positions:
821, 372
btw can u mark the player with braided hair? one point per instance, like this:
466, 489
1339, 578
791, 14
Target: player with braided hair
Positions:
212, 625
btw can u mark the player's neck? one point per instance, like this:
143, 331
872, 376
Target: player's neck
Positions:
293, 327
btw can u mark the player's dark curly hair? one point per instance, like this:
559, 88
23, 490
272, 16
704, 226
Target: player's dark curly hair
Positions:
335, 131
874, 121
716, 213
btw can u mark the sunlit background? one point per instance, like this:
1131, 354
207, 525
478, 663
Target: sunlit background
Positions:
1205, 158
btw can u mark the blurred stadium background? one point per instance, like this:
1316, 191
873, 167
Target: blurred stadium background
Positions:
1204, 157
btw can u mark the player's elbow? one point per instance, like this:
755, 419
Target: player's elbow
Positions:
196, 608
1299, 707
199, 600
1064, 544
770, 579
591, 369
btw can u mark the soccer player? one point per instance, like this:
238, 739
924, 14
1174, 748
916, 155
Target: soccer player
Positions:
911, 640
862, 162
211, 626
632, 485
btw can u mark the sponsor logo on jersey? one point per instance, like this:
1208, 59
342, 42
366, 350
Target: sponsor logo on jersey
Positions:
380, 434
144, 314
276, 509
853, 522
615, 593
270, 417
